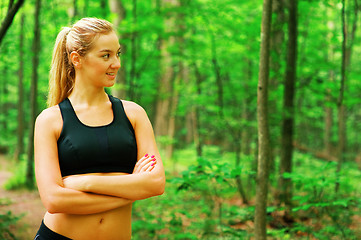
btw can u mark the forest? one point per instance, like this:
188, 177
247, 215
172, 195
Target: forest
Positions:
255, 106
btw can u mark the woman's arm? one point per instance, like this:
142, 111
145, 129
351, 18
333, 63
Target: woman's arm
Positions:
136, 186
54, 196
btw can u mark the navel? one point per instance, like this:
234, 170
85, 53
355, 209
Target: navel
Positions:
101, 220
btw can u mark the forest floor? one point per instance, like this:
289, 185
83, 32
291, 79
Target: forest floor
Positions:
22, 202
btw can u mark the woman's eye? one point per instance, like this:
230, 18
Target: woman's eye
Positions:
106, 56
118, 54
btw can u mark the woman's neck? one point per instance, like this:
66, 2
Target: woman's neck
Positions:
87, 95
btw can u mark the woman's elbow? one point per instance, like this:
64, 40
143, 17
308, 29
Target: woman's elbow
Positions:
159, 186
51, 204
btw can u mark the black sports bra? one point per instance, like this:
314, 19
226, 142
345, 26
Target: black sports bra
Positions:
85, 149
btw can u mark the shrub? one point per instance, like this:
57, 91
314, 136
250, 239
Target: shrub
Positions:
7, 220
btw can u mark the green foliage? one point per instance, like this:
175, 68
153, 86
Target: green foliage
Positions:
7, 220
315, 198
210, 38
201, 201
18, 179
194, 204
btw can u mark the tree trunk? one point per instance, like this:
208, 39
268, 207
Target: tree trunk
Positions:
328, 118
103, 7
6, 23
75, 10
182, 76
263, 129
347, 44
239, 183
218, 76
189, 138
172, 116
132, 76
277, 41
247, 131
33, 96
166, 79
85, 9
20, 131
277, 58
198, 139
3, 111
288, 109
340, 106
117, 7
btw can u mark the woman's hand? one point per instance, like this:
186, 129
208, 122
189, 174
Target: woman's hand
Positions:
76, 182
145, 164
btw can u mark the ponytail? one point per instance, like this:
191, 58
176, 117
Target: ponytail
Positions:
61, 80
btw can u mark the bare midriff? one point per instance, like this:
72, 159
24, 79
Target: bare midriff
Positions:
110, 225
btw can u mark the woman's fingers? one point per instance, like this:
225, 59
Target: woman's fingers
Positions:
149, 166
139, 162
144, 163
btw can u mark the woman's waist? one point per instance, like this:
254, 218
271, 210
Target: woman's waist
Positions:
113, 224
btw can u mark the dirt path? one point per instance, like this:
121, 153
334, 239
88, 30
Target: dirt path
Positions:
23, 202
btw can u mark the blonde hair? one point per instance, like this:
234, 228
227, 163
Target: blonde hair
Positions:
80, 38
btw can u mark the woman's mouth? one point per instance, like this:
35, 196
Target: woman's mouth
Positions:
111, 76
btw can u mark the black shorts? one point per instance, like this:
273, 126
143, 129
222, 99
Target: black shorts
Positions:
45, 233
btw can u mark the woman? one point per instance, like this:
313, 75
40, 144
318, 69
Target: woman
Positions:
94, 154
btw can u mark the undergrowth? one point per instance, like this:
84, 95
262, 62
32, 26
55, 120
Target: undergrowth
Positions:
7, 220
201, 200
18, 179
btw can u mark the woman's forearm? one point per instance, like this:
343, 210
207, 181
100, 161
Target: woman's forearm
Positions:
147, 180
71, 201
133, 186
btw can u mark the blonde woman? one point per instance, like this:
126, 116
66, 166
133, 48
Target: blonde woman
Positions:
94, 154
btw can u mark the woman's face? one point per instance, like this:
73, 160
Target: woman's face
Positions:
100, 65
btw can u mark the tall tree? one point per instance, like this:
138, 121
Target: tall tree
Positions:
348, 37
133, 61
75, 10
263, 129
117, 7
196, 111
21, 122
33, 95
103, 7
328, 94
167, 74
288, 108
182, 76
6, 23
276, 67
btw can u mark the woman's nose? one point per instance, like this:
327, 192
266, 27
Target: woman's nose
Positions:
116, 63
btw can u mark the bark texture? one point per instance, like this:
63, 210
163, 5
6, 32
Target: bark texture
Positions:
263, 129
289, 108
33, 95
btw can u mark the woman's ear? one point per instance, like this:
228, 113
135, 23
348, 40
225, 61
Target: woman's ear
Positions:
75, 58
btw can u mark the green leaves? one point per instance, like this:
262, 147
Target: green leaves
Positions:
7, 220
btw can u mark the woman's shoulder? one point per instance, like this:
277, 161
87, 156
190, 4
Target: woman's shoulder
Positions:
49, 113
134, 111
132, 106
49, 117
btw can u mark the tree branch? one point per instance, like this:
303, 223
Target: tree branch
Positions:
5, 25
